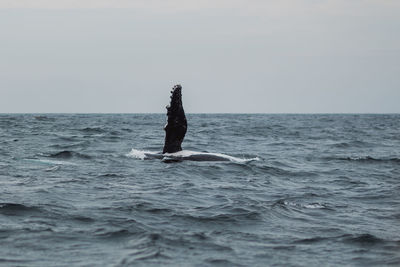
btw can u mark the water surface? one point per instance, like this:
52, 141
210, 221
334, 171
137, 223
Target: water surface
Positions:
325, 191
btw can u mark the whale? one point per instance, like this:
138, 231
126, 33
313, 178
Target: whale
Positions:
175, 131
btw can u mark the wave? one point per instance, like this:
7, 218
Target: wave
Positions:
222, 262
187, 155
83, 219
43, 118
354, 143
363, 239
51, 162
51, 169
311, 240
92, 130
81, 144
314, 205
16, 209
111, 175
355, 239
114, 234
66, 154
243, 217
143, 247
366, 159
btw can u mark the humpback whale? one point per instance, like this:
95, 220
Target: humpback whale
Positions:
175, 131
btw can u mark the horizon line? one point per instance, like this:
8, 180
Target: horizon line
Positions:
211, 113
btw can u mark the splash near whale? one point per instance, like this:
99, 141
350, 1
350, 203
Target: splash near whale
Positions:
175, 131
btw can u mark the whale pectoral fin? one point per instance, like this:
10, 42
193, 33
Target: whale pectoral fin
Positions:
176, 127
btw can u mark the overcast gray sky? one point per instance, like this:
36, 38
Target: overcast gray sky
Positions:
279, 56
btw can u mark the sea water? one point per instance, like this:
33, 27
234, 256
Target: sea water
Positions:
297, 190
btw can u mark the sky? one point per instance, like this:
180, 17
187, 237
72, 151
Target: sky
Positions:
250, 56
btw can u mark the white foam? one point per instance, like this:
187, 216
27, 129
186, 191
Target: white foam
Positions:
307, 206
140, 154
54, 168
314, 206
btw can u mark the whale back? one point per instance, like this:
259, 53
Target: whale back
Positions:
176, 127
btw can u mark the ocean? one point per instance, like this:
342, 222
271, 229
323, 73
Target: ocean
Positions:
297, 190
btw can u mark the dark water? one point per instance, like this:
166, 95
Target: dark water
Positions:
326, 191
